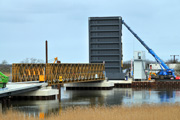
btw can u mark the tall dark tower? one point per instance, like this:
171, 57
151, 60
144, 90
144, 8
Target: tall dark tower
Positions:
105, 44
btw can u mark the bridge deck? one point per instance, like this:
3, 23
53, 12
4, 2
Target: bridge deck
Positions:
18, 88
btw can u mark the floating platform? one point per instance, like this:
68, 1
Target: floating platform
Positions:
100, 85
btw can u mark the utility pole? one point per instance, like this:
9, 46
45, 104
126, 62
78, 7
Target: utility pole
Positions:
46, 47
174, 56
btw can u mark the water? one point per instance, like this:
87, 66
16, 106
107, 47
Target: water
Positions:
116, 96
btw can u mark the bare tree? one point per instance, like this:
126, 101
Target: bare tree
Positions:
4, 62
32, 60
172, 61
40, 61
26, 60
177, 69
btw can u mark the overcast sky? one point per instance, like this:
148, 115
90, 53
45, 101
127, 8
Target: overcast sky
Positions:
26, 24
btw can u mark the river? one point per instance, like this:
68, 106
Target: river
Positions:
116, 96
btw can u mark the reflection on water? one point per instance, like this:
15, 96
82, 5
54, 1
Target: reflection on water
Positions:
35, 107
117, 96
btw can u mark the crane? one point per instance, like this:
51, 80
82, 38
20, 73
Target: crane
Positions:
56, 60
165, 71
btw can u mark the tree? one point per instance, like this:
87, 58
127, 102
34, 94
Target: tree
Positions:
177, 69
4, 62
172, 61
40, 61
32, 60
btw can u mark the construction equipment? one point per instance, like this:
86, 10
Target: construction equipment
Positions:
3, 80
165, 72
56, 60
152, 75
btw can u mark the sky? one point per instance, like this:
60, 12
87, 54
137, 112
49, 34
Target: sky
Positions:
26, 24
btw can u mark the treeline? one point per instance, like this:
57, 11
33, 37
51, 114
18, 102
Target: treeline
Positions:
5, 67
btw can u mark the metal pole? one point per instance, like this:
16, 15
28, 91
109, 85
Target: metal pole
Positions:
46, 51
46, 58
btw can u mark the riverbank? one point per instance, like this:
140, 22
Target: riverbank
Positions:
145, 112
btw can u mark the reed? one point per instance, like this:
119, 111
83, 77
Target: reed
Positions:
145, 112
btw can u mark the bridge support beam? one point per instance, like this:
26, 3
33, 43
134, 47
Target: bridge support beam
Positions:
59, 89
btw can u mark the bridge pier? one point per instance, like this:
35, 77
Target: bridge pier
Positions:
59, 89
44, 93
99, 85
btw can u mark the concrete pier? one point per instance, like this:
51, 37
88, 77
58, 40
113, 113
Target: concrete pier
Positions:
28, 90
45, 93
90, 85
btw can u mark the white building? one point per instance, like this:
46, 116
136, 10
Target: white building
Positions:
139, 65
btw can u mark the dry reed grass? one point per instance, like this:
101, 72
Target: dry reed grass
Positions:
145, 112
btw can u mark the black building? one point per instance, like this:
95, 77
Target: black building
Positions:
105, 44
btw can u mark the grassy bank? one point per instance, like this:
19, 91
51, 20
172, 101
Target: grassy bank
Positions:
146, 112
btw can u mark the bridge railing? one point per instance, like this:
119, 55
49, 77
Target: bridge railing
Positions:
58, 73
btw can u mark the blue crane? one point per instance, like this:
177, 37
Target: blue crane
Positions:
165, 71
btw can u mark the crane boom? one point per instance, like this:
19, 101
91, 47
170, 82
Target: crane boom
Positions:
166, 70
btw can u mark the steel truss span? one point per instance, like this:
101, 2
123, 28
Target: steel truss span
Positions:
58, 73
